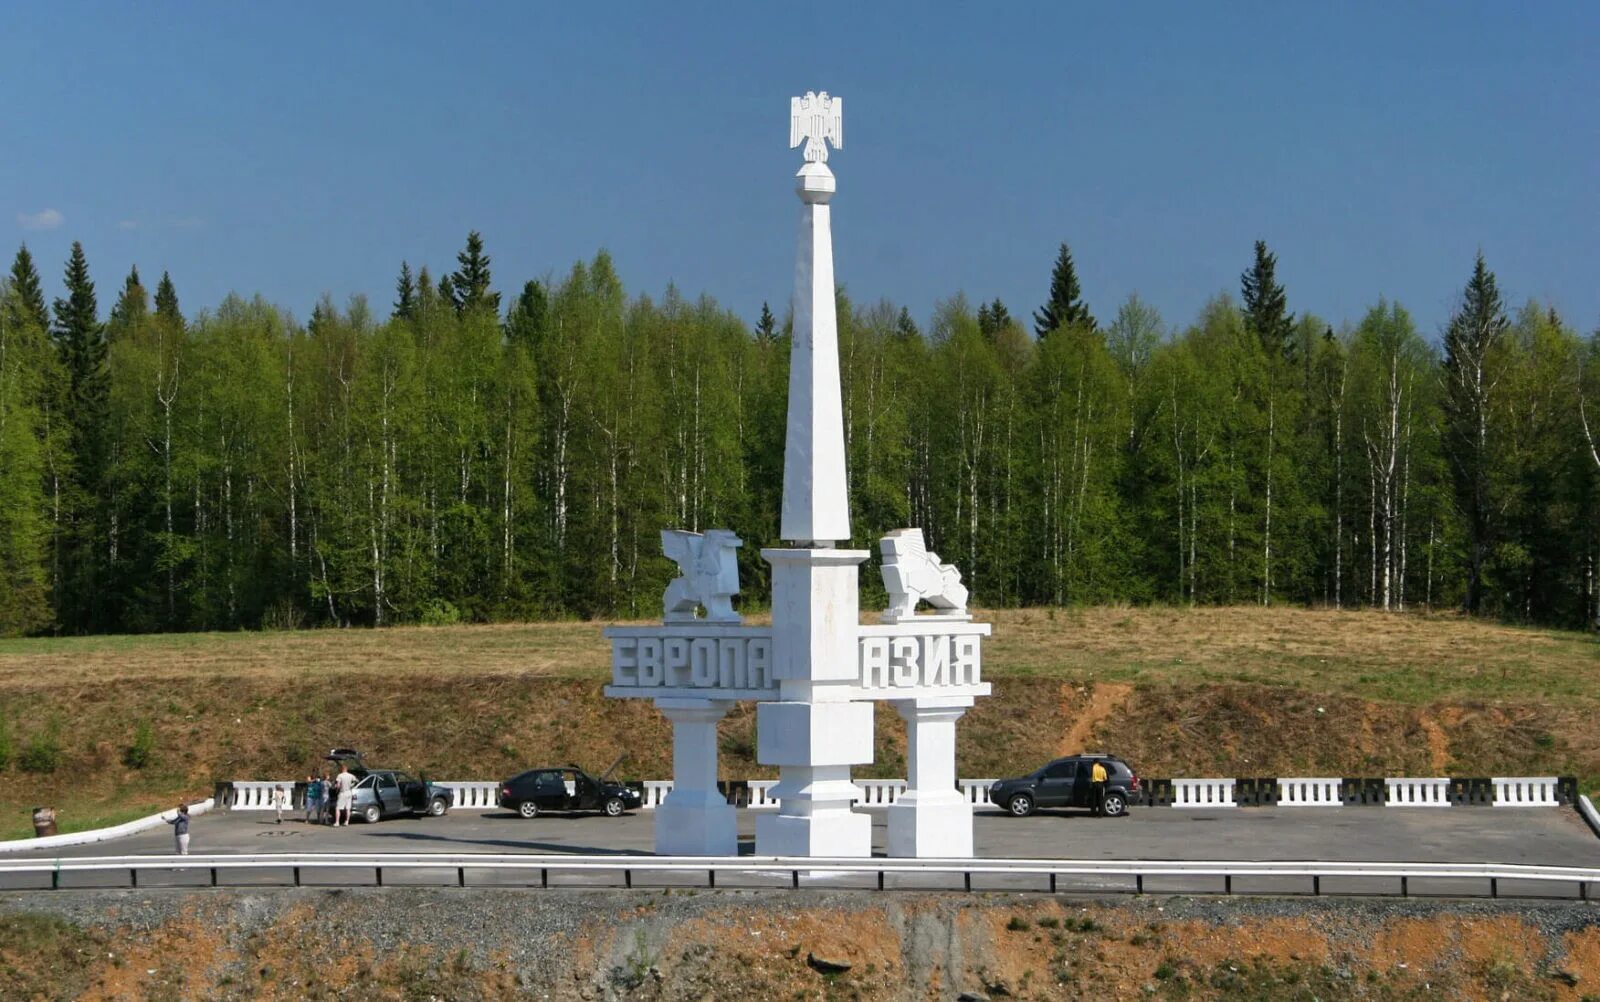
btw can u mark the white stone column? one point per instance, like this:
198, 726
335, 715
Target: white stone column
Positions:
931, 817
814, 734
696, 819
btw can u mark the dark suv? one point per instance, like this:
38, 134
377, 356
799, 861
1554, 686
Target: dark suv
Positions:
1065, 783
565, 788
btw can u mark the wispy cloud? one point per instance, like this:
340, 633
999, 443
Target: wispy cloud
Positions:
128, 224
45, 219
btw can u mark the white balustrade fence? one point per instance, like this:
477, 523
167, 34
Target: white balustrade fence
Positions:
1299, 791
1320, 791
1407, 792
655, 793
1203, 793
977, 790
1525, 791
256, 795
472, 795
878, 792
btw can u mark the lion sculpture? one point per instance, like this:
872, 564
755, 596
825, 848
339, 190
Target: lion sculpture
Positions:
912, 574
708, 568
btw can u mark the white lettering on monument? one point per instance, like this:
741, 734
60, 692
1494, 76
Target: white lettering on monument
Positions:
921, 662
676, 662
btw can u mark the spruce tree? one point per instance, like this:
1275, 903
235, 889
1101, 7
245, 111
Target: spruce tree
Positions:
132, 306
1476, 327
1065, 305
167, 302
1266, 313
529, 315
993, 318
470, 282
405, 293
27, 302
905, 328
767, 326
81, 342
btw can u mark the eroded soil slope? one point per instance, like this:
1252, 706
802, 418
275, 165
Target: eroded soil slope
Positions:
416, 944
1179, 692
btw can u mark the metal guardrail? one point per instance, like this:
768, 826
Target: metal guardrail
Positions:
635, 871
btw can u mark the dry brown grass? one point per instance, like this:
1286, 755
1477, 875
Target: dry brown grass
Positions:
1409, 658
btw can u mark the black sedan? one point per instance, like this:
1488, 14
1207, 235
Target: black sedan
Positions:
565, 788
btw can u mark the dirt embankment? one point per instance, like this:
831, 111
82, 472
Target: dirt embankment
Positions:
416, 944
490, 727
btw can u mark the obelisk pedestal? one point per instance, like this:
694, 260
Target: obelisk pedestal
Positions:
814, 734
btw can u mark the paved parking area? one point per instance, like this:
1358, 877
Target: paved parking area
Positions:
1553, 836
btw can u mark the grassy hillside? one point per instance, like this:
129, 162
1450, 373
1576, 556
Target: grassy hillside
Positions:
1210, 691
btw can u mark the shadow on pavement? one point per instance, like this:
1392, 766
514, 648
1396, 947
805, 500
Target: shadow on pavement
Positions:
573, 850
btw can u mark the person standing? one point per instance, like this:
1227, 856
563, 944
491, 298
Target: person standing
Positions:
280, 802
180, 829
313, 799
1097, 788
345, 784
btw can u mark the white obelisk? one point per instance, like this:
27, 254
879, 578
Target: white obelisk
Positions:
814, 734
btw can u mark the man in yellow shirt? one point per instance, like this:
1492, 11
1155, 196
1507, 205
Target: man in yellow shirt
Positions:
1097, 788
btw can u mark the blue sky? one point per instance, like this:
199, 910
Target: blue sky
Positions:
296, 149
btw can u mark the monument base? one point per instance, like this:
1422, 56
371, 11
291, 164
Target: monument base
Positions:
839, 834
696, 823
924, 824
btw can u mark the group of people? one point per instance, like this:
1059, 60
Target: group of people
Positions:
320, 790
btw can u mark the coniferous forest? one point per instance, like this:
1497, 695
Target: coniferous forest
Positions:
455, 456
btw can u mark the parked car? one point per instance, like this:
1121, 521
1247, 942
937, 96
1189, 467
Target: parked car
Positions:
1065, 783
381, 793
566, 788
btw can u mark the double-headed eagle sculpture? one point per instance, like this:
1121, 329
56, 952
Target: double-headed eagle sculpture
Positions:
814, 118
708, 575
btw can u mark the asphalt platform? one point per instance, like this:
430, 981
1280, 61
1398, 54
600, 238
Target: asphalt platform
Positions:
1542, 835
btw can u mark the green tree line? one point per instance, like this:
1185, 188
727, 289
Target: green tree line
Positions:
460, 457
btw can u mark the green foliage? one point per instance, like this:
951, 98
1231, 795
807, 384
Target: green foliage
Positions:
439, 612
139, 753
5, 743
239, 469
42, 753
